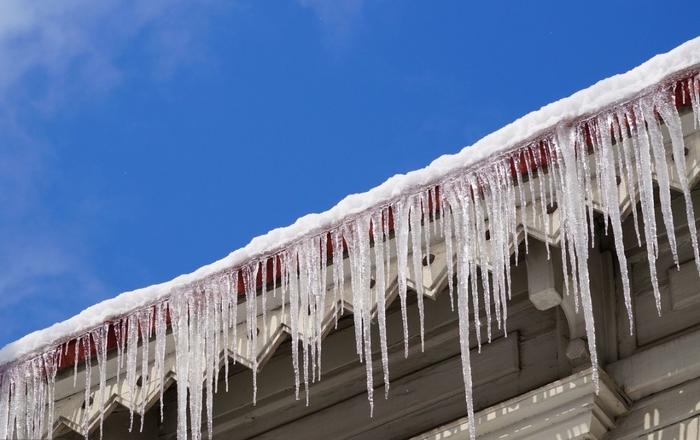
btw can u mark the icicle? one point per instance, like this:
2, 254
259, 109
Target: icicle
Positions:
431, 210
668, 112
694, 92
338, 276
87, 404
99, 337
644, 171
627, 170
584, 178
5, 406
145, 325
417, 258
40, 399
401, 211
233, 298
521, 193
612, 208
51, 366
210, 354
123, 324
180, 323
511, 211
18, 415
551, 169
358, 247
380, 293
226, 295
250, 276
446, 217
662, 178
305, 292
76, 352
595, 154
215, 328
291, 260
274, 276
160, 324
131, 354
543, 197
387, 234
263, 296
500, 249
575, 219
33, 398
197, 362
321, 306
473, 190
425, 200
118, 329
462, 224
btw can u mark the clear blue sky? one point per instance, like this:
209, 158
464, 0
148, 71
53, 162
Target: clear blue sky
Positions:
140, 140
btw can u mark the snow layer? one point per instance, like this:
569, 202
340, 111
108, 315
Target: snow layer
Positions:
603, 94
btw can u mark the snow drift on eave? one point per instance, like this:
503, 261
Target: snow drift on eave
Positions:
617, 121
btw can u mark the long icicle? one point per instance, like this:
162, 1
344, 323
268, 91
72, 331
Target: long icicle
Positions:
401, 213
380, 293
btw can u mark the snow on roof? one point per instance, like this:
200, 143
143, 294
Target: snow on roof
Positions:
604, 94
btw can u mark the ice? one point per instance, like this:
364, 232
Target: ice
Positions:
99, 337
87, 396
291, 266
233, 299
76, 351
641, 148
51, 364
611, 201
338, 275
305, 287
196, 367
180, 321
446, 219
359, 250
401, 215
263, 296
145, 318
462, 219
380, 293
624, 148
571, 163
661, 169
522, 201
321, 307
575, 218
250, 275
694, 92
5, 405
668, 112
416, 218
160, 325
211, 353
132, 341
120, 335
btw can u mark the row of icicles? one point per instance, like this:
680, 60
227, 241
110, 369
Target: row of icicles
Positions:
625, 141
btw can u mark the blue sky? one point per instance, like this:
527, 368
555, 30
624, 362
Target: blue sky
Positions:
140, 140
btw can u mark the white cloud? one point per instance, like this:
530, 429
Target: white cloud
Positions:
337, 18
53, 53
72, 46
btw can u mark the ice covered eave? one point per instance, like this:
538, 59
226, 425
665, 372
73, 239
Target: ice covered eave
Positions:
662, 70
276, 328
